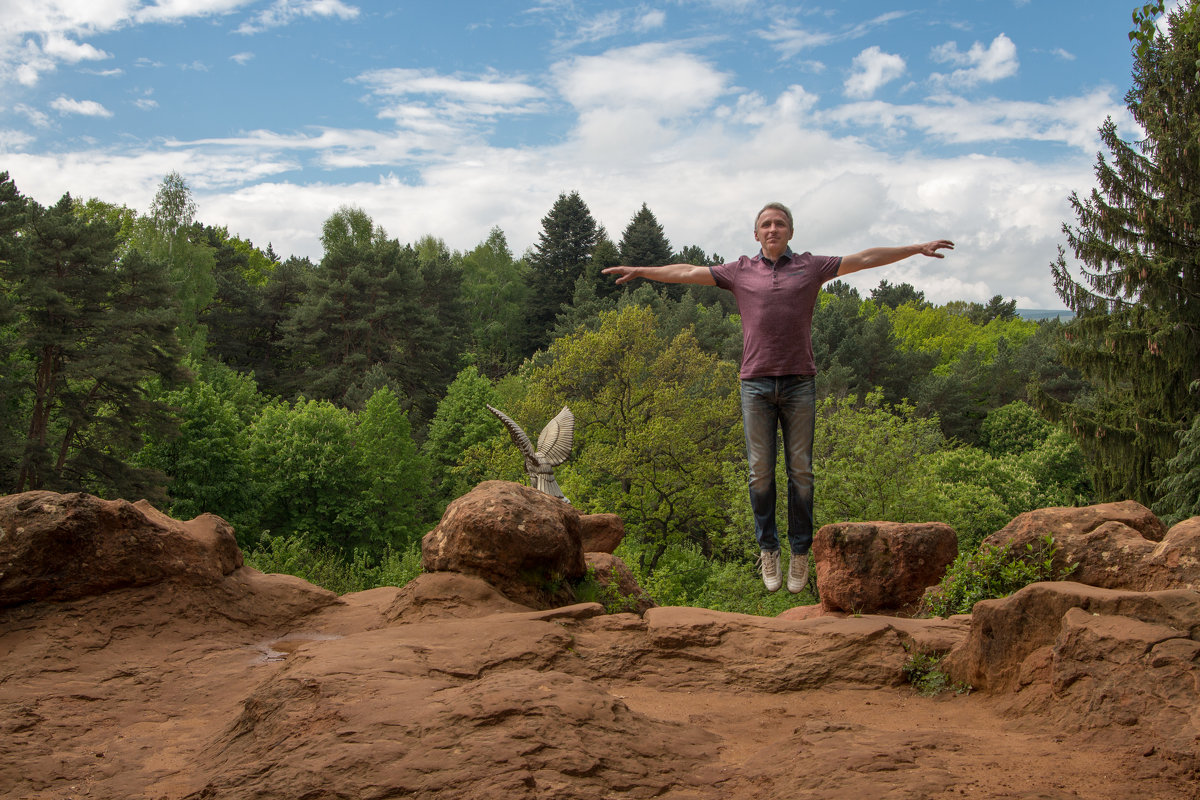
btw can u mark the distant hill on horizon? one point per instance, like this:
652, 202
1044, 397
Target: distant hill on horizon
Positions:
1045, 313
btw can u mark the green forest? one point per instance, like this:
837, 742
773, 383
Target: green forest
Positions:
331, 410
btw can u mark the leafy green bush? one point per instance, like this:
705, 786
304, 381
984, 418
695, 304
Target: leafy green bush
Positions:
329, 569
991, 572
591, 590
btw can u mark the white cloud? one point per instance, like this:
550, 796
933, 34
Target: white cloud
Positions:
790, 40
14, 140
284, 12
491, 90
601, 26
1072, 121
177, 10
27, 73
38, 118
145, 103
334, 148
658, 79
425, 103
703, 181
651, 20
59, 47
657, 123
979, 64
1063, 54
242, 58
37, 35
86, 108
872, 69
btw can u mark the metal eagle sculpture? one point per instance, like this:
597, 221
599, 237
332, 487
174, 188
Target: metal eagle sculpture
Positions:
553, 447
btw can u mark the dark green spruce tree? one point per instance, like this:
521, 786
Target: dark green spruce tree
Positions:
360, 306
645, 244
93, 330
563, 253
1136, 336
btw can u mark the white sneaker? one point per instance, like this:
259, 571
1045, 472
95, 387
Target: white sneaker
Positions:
768, 562
797, 573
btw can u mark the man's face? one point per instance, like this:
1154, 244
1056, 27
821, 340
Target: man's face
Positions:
773, 232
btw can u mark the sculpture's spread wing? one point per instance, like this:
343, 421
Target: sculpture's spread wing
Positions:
518, 436
554, 442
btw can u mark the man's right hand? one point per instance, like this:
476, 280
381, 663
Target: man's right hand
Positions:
671, 273
624, 273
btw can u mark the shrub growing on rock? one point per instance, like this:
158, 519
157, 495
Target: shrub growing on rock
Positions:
990, 572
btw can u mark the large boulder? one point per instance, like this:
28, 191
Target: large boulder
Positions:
1174, 563
601, 533
863, 567
1011, 637
524, 542
1094, 660
67, 546
1067, 521
1112, 545
442, 595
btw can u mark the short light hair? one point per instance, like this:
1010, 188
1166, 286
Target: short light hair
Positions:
787, 212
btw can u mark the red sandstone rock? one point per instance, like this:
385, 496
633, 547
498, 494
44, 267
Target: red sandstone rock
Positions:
797, 613
601, 533
864, 567
1114, 545
521, 541
67, 546
1092, 660
1006, 633
1065, 521
438, 595
255, 685
1174, 563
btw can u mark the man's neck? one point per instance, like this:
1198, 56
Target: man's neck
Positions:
774, 256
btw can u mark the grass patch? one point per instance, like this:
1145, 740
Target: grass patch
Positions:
923, 671
330, 570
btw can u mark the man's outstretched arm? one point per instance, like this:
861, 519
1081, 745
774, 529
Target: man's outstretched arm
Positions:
672, 273
880, 256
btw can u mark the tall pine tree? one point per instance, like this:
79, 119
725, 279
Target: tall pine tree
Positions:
13, 363
563, 253
360, 306
170, 234
1136, 337
644, 244
93, 330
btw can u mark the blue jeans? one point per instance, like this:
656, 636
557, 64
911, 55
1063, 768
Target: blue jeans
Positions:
787, 403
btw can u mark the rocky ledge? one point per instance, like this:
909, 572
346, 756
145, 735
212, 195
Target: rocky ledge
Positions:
139, 658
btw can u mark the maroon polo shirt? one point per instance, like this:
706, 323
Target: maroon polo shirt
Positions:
776, 302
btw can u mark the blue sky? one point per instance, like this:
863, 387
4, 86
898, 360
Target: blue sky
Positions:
878, 123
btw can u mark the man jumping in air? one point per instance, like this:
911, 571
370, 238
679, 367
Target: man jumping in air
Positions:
776, 292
